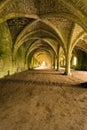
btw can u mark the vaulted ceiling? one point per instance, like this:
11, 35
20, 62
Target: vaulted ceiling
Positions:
46, 24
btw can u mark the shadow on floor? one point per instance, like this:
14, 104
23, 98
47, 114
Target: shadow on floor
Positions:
42, 83
83, 85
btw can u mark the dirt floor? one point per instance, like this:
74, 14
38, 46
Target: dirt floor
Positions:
44, 100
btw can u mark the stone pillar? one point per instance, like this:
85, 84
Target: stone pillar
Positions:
67, 69
29, 64
58, 63
58, 58
13, 64
28, 61
54, 61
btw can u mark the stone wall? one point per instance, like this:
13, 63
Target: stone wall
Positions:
5, 50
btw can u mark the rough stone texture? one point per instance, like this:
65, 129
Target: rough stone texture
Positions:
5, 49
59, 22
16, 25
35, 100
24, 6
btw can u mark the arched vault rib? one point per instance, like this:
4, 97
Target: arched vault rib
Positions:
41, 49
72, 8
45, 22
81, 48
76, 12
73, 44
52, 43
57, 31
41, 52
68, 16
38, 50
29, 36
19, 15
43, 55
13, 15
39, 45
82, 44
43, 18
4, 4
23, 36
73, 41
46, 41
32, 35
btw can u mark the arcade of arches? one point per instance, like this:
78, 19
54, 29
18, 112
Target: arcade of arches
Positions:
36, 31
43, 64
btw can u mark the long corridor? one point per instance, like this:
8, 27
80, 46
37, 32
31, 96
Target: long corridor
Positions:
43, 100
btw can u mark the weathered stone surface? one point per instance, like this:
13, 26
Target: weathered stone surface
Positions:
55, 23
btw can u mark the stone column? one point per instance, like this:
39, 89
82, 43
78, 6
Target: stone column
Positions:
54, 61
58, 58
13, 64
68, 59
58, 63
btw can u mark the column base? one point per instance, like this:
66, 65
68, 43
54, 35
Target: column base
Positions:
65, 73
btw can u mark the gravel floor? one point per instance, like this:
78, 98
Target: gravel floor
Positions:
44, 100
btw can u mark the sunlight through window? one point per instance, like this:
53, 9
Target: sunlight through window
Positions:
75, 61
